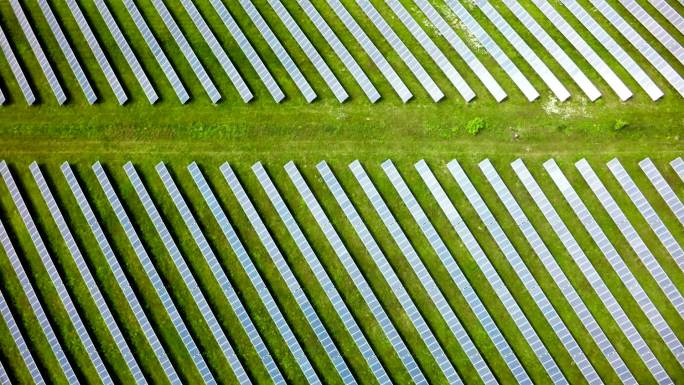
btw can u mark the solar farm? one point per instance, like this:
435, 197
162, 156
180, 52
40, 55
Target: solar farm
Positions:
292, 192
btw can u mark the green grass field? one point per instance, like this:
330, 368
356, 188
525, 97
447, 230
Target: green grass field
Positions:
339, 133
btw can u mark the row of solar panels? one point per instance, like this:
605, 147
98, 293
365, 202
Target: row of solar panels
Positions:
379, 22
634, 336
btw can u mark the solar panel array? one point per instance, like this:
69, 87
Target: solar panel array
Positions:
559, 277
157, 51
67, 51
248, 50
497, 53
631, 235
127, 52
390, 276
431, 48
400, 48
524, 50
255, 277
119, 275
37, 50
46, 258
641, 45
614, 48
356, 276
371, 50
19, 342
187, 51
16, 68
490, 273
382, 342
95, 48
280, 52
340, 50
153, 276
87, 276
663, 188
621, 269
288, 276
554, 49
184, 270
528, 280
219, 273
678, 166
647, 211
37, 308
425, 25
457, 276
321, 275
423, 275
590, 273
655, 29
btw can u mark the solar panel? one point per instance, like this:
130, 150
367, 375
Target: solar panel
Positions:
663, 188
86, 275
16, 68
287, 275
248, 50
254, 276
457, 276
631, 235
634, 38
400, 48
187, 51
559, 277
555, 50
280, 52
38, 51
431, 48
678, 166
462, 49
323, 279
524, 50
670, 14
97, 51
647, 211
620, 268
157, 51
218, 52
4, 379
584, 49
119, 275
37, 308
340, 50
428, 283
655, 29
310, 51
614, 48
497, 53
127, 52
153, 276
490, 273
590, 273
186, 274
390, 276
356, 276
219, 274
371, 50
526, 277
68, 53
52, 271
20, 343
